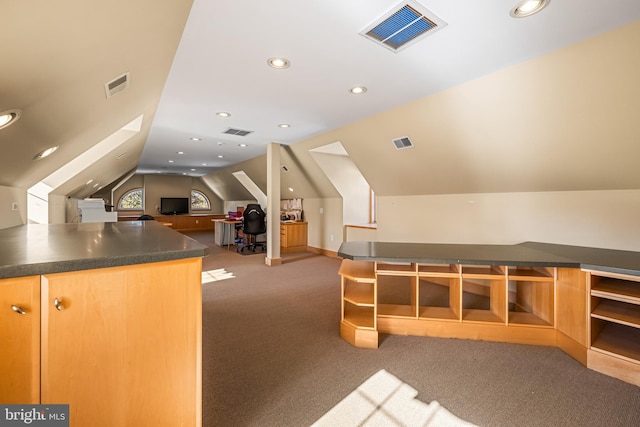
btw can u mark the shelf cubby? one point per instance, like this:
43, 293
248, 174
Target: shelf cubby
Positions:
531, 293
617, 340
484, 294
439, 298
397, 295
359, 316
439, 270
395, 269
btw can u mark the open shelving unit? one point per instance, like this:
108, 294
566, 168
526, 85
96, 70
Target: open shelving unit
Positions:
358, 323
531, 296
439, 292
484, 294
615, 325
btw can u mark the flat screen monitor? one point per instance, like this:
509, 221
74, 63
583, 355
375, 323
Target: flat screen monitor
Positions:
174, 205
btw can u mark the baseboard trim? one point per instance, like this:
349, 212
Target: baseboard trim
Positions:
325, 252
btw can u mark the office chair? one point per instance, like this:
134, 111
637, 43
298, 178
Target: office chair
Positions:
146, 218
253, 224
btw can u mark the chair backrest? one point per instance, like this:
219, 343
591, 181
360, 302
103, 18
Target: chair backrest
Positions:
146, 218
253, 220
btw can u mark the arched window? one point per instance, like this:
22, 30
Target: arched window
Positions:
199, 201
131, 200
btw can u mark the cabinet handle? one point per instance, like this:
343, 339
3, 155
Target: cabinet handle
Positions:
18, 310
58, 303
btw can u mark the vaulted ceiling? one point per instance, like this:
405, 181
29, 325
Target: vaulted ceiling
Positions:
186, 62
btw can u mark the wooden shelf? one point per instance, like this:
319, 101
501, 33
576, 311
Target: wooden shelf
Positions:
358, 271
530, 274
485, 316
619, 340
393, 269
359, 317
439, 270
441, 313
396, 310
482, 272
618, 312
616, 289
359, 294
524, 318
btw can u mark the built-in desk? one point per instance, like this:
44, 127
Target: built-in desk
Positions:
585, 301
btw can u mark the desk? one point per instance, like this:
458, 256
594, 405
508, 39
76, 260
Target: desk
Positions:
223, 231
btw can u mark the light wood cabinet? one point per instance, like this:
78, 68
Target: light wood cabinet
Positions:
121, 345
615, 325
20, 338
293, 236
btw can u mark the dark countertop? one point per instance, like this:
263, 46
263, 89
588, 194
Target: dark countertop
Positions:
524, 254
35, 249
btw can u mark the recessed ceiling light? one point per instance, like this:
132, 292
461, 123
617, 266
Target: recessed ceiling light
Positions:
180, 152
220, 156
528, 7
242, 145
89, 182
204, 164
9, 117
290, 189
170, 161
45, 153
192, 170
284, 125
279, 63
357, 90
223, 114
196, 139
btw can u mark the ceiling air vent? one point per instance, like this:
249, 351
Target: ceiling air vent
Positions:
117, 85
401, 143
403, 25
239, 132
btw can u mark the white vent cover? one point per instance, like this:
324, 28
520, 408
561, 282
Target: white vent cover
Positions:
117, 85
239, 132
403, 25
403, 142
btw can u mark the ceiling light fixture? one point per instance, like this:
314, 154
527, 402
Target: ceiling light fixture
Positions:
279, 63
357, 90
220, 156
223, 114
284, 125
195, 139
528, 7
180, 152
9, 117
45, 153
242, 145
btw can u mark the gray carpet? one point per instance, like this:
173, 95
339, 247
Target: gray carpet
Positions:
272, 356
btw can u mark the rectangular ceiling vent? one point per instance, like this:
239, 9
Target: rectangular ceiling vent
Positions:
239, 132
117, 85
401, 143
403, 25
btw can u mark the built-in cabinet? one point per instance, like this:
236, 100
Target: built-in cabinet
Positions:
20, 338
615, 325
293, 236
593, 316
120, 345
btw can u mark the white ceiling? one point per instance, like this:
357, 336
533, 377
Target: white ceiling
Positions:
221, 65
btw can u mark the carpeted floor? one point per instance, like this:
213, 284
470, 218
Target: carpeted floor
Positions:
272, 356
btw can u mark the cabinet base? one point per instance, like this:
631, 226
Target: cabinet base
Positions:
364, 338
614, 367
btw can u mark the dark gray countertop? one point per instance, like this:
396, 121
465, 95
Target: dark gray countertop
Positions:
35, 249
528, 253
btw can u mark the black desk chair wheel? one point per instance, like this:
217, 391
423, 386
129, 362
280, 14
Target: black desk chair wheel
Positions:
253, 224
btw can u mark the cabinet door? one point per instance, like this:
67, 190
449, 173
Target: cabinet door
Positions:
122, 345
20, 338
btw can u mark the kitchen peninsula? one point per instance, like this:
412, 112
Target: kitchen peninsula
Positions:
105, 317
586, 301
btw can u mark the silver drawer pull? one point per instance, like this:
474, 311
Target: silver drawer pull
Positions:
58, 303
18, 310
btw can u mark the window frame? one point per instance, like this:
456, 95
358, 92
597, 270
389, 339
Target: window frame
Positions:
204, 196
119, 206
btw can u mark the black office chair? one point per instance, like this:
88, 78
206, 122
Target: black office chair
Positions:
146, 218
253, 224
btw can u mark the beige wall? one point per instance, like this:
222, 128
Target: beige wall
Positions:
607, 219
324, 229
9, 217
